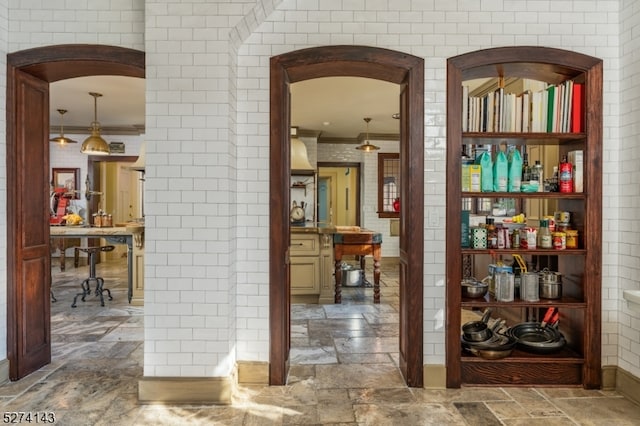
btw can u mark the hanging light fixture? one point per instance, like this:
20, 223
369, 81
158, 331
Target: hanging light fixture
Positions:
366, 146
62, 140
94, 144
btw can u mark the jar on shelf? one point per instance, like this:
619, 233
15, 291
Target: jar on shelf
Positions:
545, 240
572, 238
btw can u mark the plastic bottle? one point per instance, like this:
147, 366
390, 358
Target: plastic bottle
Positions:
545, 239
565, 175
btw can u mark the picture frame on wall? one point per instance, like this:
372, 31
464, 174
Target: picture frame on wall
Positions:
67, 178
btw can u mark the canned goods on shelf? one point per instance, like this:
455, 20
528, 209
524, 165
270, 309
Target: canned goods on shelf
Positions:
559, 240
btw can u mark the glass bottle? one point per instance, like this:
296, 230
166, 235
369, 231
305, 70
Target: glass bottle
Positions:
492, 234
517, 279
515, 238
545, 240
537, 175
526, 170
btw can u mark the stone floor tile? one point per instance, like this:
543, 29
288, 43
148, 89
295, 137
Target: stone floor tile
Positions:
343, 371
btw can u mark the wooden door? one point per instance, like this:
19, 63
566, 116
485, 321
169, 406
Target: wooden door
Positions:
28, 304
411, 237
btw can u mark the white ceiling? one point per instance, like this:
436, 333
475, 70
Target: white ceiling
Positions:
333, 107
122, 104
337, 106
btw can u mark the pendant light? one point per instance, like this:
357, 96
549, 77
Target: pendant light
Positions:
366, 146
94, 144
62, 140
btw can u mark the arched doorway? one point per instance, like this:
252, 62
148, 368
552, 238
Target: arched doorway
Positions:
356, 61
29, 73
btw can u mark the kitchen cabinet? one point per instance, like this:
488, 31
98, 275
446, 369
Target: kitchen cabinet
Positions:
579, 362
311, 264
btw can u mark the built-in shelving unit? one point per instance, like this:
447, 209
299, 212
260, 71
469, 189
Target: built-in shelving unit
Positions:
579, 362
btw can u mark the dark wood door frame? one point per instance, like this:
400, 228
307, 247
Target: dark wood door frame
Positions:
45, 64
357, 61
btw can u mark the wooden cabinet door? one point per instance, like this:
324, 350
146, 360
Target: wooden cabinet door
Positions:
305, 275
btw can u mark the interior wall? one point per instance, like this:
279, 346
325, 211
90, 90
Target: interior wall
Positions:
435, 31
622, 347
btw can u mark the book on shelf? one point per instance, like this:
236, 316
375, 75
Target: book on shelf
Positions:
556, 108
577, 107
551, 101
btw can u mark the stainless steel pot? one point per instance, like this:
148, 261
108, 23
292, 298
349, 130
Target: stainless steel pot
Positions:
550, 284
550, 291
473, 288
351, 277
478, 331
499, 346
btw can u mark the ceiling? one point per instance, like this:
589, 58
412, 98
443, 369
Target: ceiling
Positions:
336, 106
121, 108
332, 107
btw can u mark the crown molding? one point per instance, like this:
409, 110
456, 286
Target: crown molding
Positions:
135, 130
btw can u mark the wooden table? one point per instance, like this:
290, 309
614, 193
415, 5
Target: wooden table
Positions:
63, 244
360, 243
132, 236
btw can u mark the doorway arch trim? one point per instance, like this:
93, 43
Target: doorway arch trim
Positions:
356, 61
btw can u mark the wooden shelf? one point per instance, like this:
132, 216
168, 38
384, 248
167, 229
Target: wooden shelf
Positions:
579, 364
483, 138
490, 301
526, 195
566, 355
531, 252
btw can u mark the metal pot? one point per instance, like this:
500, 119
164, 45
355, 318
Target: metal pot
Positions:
351, 277
499, 346
473, 288
550, 284
551, 291
478, 331
550, 277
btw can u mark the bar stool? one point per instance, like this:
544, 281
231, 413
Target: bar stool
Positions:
92, 252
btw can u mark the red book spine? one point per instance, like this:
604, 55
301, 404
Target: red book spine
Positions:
577, 108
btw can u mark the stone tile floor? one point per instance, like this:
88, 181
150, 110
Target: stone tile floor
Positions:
343, 372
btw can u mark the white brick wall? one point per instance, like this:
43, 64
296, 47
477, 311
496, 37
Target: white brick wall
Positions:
623, 343
435, 31
46, 22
